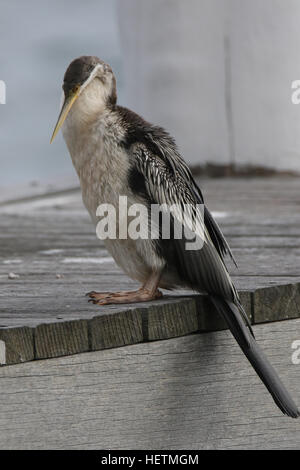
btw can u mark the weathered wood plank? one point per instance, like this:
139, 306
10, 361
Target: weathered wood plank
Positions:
60, 339
17, 345
53, 235
120, 329
171, 319
195, 392
276, 303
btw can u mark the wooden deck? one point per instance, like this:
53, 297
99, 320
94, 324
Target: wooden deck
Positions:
50, 250
192, 392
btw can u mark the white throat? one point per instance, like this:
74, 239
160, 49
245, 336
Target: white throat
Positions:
86, 112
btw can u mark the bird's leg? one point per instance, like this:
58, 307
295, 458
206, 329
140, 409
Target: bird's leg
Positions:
147, 292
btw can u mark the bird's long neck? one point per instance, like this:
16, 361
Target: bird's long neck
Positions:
92, 131
98, 157
92, 106
82, 129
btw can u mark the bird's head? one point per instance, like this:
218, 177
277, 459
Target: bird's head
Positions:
90, 83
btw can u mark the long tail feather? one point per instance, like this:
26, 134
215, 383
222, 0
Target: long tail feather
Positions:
256, 357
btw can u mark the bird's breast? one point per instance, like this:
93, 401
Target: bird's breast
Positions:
103, 178
101, 163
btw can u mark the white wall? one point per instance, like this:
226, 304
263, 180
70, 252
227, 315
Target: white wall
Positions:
184, 59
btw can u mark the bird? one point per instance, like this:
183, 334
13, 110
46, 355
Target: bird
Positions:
117, 152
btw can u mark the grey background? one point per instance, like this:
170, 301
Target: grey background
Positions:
38, 40
216, 73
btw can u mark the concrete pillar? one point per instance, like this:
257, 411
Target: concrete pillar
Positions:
174, 70
217, 74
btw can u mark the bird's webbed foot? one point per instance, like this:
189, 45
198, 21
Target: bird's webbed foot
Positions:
127, 297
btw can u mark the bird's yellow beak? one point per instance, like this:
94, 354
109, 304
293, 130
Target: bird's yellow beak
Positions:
68, 103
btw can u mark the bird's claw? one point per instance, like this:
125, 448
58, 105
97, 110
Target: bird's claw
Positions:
90, 294
95, 297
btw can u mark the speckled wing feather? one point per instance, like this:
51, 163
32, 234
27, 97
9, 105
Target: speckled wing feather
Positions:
172, 158
202, 269
163, 146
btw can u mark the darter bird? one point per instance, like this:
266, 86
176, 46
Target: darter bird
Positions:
116, 152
